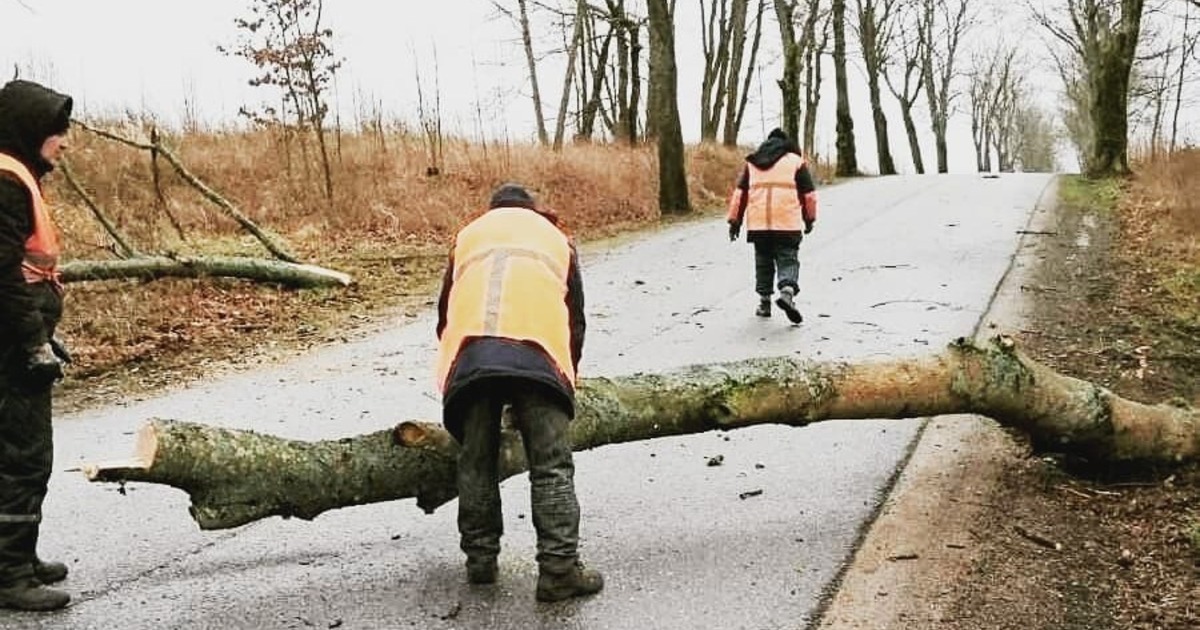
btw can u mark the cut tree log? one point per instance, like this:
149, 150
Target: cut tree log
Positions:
258, 269
235, 477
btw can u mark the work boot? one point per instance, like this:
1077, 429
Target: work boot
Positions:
764, 307
787, 304
481, 570
29, 594
577, 581
49, 572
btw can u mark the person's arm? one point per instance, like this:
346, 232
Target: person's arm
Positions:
577, 319
806, 191
738, 198
737, 204
20, 320
444, 295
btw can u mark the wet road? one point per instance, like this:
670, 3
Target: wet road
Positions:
897, 266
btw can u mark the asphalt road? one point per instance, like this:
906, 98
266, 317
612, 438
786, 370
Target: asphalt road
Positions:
897, 267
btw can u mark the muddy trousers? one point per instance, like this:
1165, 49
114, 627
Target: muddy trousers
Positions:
776, 265
26, 458
543, 424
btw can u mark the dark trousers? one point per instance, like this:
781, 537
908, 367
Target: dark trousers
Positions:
543, 423
26, 458
776, 264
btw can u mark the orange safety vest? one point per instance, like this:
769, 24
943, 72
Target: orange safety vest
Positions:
41, 248
773, 204
510, 281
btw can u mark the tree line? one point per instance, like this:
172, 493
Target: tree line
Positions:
1118, 63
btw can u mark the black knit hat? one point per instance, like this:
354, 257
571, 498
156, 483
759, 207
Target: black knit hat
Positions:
779, 134
512, 195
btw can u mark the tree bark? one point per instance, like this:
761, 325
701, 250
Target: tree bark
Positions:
847, 155
672, 175
235, 477
531, 61
257, 269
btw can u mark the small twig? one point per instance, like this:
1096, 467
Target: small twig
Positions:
903, 556
124, 249
1038, 232
1075, 492
1041, 540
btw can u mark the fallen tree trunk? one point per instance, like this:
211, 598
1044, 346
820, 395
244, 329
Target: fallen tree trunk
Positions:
257, 269
235, 477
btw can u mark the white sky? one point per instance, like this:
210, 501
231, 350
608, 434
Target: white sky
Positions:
115, 56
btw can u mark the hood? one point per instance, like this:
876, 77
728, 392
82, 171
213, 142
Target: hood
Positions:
777, 145
30, 113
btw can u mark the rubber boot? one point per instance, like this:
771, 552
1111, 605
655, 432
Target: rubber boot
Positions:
787, 304
49, 572
574, 582
29, 594
764, 307
482, 570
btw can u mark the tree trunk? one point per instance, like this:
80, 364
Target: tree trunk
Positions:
235, 477
789, 84
914, 142
672, 176
257, 269
847, 156
531, 61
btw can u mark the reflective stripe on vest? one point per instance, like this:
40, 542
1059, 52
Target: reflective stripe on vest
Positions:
773, 204
510, 281
20, 518
41, 248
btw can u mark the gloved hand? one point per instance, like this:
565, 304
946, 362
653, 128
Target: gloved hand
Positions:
808, 226
60, 350
734, 230
42, 368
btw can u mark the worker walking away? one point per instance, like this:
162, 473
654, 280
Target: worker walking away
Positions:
511, 328
777, 201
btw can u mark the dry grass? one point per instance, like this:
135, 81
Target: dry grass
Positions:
1162, 219
388, 225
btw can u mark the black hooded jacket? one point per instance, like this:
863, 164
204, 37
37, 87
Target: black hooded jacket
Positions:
29, 114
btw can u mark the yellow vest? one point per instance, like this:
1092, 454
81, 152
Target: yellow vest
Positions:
510, 281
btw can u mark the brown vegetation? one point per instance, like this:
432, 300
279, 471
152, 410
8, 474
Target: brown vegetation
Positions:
1122, 310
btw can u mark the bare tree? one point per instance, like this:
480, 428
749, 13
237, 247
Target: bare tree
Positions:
981, 89
798, 59
737, 96
874, 36
943, 25
716, 44
664, 112
287, 42
812, 69
1102, 36
521, 17
1190, 40
905, 61
626, 96
847, 155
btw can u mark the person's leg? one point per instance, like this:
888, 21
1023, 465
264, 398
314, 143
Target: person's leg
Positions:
543, 424
480, 519
787, 263
26, 459
764, 276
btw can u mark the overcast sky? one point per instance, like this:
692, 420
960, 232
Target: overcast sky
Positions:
157, 56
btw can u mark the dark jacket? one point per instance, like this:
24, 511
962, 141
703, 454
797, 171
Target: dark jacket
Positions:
29, 113
484, 359
768, 153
